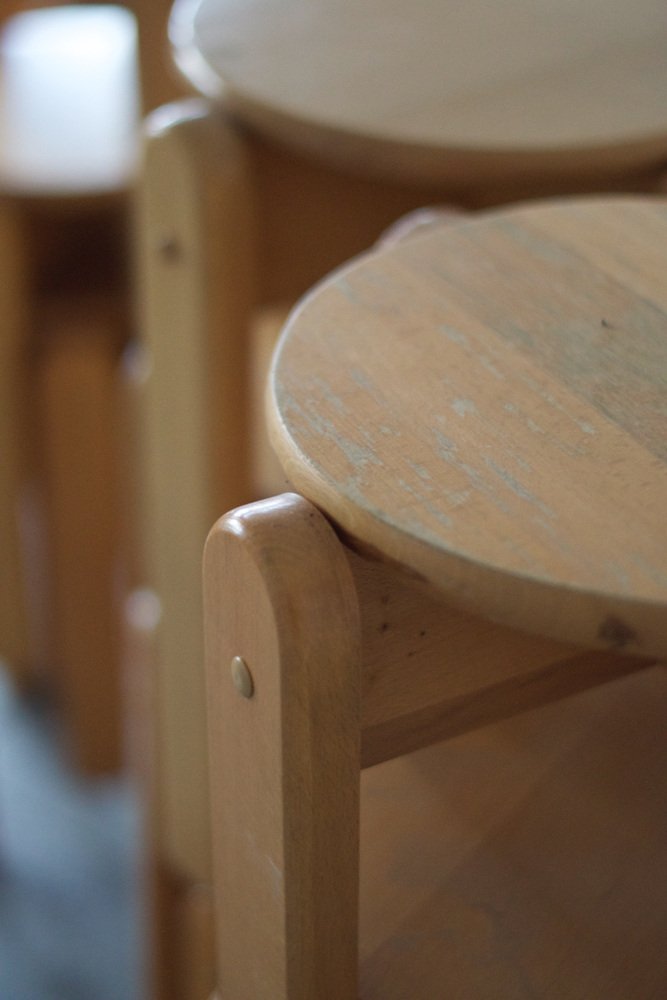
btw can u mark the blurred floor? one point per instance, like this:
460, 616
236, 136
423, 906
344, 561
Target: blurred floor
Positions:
69, 915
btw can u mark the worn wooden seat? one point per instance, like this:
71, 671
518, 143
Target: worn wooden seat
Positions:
475, 423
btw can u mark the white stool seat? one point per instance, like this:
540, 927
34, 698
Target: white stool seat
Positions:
436, 89
69, 100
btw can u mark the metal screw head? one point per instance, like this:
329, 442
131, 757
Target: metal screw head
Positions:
242, 677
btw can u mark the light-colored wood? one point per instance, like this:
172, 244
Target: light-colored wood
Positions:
285, 763
79, 423
479, 414
431, 671
472, 851
524, 861
302, 217
14, 626
195, 232
225, 223
228, 226
436, 90
319, 195
517, 361
268, 477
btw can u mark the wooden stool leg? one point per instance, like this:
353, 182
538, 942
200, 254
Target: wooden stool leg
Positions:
196, 266
283, 672
78, 381
14, 639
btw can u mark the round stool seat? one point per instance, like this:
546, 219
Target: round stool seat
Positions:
486, 406
437, 90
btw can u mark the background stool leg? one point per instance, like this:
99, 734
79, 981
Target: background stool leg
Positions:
284, 756
78, 382
14, 632
196, 266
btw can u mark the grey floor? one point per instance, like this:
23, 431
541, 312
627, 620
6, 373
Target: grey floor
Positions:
69, 913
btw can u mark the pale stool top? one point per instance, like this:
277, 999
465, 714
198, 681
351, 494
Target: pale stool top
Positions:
436, 86
486, 405
69, 101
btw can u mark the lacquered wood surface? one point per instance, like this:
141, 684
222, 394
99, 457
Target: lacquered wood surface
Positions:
487, 406
437, 86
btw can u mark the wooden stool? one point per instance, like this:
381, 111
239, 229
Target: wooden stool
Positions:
250, 196
475, 421
68, 151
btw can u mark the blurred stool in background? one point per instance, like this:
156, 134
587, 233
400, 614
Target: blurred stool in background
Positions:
69, 106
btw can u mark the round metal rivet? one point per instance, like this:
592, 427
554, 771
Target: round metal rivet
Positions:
242, 677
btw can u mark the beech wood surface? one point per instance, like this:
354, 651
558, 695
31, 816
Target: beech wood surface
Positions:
319, 194
486, 406
284, 761
226, 228
431, 671
518, 861
436, 89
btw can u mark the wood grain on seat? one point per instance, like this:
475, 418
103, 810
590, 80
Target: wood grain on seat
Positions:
485, 406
